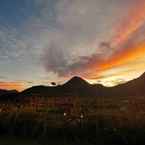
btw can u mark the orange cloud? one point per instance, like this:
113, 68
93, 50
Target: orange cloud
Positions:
129, 26
134, 20
12, 85
117, 60
129, 55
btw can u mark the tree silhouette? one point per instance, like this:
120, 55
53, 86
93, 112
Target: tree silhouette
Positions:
53, 83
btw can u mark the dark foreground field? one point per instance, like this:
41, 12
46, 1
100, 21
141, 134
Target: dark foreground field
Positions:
80, 137
26, 130
12, 140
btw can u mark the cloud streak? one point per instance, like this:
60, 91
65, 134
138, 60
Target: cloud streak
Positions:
128, 40
62, 38
134, 20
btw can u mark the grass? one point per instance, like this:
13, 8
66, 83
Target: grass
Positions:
13, 140
49, 126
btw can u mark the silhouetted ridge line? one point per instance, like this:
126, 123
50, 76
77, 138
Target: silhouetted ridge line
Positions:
76, 82
77, 86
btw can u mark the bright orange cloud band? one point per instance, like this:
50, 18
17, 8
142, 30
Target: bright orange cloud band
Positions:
130, 25
117, 60
12, 85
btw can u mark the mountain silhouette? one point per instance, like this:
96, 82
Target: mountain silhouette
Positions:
4, 92
134, 87
6, 95
76, 82
80, 87
77, 86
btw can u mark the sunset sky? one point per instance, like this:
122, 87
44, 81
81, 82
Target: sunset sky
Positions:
42, 41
